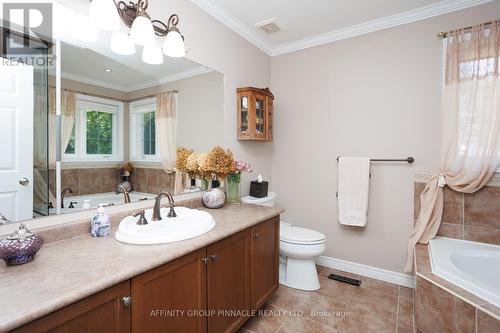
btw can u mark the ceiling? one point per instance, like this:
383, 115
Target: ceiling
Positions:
86, 61
128, 73
309, 23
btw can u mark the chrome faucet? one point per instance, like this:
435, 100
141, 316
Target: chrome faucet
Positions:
122, 189
63, 193
156, 209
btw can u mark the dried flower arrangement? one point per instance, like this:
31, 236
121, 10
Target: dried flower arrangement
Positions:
124, 170
218, 163
181, 161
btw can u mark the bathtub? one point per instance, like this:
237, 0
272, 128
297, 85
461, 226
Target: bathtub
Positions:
472, 266
109, 198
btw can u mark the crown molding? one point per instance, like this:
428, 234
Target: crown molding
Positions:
171, 78
402, 18
87, 80
414, 15
214, 9
127, 89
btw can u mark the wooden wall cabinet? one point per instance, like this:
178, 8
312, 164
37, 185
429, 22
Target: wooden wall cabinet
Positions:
209, 290
255, 114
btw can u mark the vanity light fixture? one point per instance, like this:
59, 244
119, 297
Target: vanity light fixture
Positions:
106, 15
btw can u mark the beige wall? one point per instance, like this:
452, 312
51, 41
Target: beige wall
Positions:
214, 45
376, 95
200, 109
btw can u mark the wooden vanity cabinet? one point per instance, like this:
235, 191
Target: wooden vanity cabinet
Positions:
255, 114
265, 261
213, 289
104, 312
172, 297
228, 282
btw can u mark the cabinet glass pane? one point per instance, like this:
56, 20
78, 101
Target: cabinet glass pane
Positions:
244, 114
259, 116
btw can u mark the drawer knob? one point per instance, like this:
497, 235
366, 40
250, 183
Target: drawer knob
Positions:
213, 257
126, 301
256, 236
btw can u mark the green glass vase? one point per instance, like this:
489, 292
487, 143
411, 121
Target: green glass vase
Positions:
233, 189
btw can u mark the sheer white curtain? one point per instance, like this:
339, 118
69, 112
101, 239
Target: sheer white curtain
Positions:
166, 122
68, 108
470, 147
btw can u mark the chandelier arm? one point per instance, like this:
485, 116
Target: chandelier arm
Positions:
160, 31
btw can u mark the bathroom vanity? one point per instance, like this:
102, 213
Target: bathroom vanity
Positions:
206, 284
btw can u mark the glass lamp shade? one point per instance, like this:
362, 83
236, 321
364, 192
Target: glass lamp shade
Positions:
104, 15
152, 55
173, 46
142, 31
121, 43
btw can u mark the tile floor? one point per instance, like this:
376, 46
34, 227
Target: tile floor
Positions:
375, 306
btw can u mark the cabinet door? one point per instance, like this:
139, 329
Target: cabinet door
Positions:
244, 115
260, 119
228, 281
172, 297
265, 261
270, 118
103, 312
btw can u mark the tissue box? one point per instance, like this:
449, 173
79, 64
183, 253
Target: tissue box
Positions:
258, 190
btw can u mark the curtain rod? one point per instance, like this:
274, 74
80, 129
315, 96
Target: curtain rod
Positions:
153, 95
443, 34
118, 99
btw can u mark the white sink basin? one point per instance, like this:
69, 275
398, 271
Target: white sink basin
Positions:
189, 223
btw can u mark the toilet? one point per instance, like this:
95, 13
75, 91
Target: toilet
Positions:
298, 249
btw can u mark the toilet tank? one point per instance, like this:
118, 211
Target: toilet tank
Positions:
265, 201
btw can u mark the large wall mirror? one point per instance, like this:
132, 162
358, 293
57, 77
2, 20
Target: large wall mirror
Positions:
112, 135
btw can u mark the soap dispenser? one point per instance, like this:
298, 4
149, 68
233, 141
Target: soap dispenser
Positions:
100, 225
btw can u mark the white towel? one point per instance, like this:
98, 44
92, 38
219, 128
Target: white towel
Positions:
353, 190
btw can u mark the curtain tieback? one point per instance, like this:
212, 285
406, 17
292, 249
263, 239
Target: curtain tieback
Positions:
441, 181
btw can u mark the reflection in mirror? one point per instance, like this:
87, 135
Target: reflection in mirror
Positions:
121, 123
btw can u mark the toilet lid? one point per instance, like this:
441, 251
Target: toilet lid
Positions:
298, 235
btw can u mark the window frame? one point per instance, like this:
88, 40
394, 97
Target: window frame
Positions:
136, 110
99, 104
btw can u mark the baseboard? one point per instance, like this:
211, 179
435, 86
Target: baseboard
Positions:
368, 271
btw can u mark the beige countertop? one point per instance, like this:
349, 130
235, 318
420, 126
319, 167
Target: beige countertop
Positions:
68, 270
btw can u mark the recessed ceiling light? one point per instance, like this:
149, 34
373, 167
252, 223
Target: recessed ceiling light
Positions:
107, 70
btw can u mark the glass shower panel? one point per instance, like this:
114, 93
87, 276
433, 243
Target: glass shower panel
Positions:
37, 53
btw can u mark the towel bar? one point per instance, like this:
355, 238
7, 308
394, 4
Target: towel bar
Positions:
409, 160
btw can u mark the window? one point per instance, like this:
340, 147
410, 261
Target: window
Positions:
97, 133
143, 139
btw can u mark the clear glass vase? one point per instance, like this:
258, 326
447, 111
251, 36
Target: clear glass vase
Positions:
233, 189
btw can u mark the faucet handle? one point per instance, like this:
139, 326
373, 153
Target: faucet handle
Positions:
142, 219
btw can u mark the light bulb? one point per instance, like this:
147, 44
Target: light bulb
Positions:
104, 15
142, 31
121, 43
152, 55
173, 46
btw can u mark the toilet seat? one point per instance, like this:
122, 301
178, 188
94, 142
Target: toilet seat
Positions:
301, 236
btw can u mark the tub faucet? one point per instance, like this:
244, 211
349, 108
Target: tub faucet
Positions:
122, 189
156, 209
63, 193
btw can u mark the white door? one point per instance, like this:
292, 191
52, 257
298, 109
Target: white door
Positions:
16, 141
